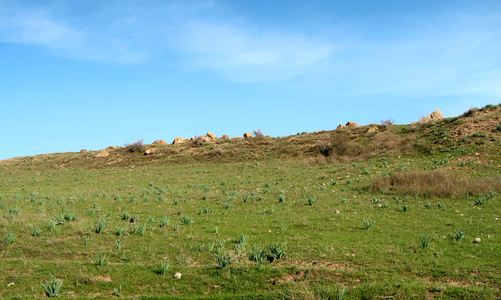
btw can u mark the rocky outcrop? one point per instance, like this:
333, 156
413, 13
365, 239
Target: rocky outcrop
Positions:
373, 129
178, 140
248, 135
83, 151
211, 136
351, 124
151, 151
434, 116
225, 137
102, 154
159, 142
341, 126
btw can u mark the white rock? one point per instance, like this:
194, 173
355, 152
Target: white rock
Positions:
477, 240
178, 275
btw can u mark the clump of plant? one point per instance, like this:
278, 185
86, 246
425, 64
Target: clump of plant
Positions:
460, 234
311, 200
52, 287
101, 224
426, 239
223, 259
9, 238
186, 220
163, 222
277, 250
136, 146
368, 223
163, 268
258, 255
35, 231
405, 207
241, 238
100, 259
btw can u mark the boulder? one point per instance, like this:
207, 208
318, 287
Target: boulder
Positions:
341, 126
225, 137
102, 154
211, 136
113, 148
351, 124
159, 142
151, 151
201, 138
373, 129
434, 116
248, 135
178, 140
83, 151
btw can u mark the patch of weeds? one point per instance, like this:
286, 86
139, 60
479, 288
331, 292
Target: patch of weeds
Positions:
426, 239
405, 207
35, 231
368, 223
311, 200
120, 231
101, 224
100, 259
163, 268
186, 220
223, 259
277, 250
9, 238
241, 238
427, 205
459, 234
163, 222
52, 287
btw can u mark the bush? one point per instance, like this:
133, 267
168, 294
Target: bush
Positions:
388, 122
258, 133
136, 147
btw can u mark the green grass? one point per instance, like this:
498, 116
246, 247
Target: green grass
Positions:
287, 223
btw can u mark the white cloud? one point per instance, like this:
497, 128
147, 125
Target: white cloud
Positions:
246, 54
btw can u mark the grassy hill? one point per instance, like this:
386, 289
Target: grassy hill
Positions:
393, 213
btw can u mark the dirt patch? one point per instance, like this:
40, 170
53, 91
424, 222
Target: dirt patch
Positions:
102, 278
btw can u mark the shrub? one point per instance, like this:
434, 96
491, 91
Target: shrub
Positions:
258, 133
136, 147
387, 122
223, 259
163, 268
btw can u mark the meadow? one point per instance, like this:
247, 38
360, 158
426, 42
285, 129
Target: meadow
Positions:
311, 216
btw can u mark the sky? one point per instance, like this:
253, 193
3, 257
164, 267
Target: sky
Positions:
88, 74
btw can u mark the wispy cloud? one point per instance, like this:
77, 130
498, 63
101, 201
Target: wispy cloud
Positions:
242, 53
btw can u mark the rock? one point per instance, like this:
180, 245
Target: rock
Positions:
341, 126
225, 137
477, 240
178, 275
434, 116
211, 136
351, 124
373, 129
113, 148
151, 151
159, 142
178, 140
202, 139
102, 154
248, 135
83, 151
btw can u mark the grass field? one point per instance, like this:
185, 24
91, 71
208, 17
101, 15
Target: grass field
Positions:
330, 215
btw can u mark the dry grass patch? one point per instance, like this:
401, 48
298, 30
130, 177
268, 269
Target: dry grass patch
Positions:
435, 184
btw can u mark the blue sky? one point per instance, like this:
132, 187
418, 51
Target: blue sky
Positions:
90, 74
